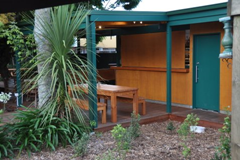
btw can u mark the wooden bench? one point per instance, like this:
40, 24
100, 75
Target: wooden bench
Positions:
127, 99
100, 107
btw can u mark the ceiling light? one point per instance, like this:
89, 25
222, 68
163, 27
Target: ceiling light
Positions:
140, 22
100, 27
134, 22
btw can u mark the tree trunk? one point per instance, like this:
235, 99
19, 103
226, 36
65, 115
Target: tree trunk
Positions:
44, 50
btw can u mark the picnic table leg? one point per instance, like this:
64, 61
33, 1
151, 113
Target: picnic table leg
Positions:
114, 108
135, 102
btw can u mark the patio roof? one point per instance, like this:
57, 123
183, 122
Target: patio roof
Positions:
109, 23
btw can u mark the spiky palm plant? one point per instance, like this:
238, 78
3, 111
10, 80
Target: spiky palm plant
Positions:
63, 65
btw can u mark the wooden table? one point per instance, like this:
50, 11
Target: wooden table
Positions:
113, 91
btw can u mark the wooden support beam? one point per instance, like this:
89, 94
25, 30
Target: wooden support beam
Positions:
91, 57
169, 69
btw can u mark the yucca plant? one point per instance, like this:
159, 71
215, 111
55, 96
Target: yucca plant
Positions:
62, 66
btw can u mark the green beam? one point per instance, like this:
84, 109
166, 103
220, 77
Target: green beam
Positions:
196, 20
18, 77
198, 9
169, 68
134, 30
118, 51
198, 14
91, 57
129, 13
114, 18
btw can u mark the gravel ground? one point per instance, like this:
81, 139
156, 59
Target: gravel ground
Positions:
154, 143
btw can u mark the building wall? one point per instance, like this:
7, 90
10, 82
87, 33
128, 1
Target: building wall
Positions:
149, 51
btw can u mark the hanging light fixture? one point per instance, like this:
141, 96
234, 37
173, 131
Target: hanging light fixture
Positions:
227, 40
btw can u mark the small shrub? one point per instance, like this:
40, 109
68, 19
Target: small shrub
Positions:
192, 119
109, 155
186, 151
170, 127
134, 128
224, 150
80, 144
184, 130
122, 137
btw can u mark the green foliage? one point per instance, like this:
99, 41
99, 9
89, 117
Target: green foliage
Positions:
184, 130
1, 111
109, 155
93, 124
23, 44
192, 119
134, 128
31, 134
170, 127
121, 137
80, 144
186, 151
6, 147
224, 150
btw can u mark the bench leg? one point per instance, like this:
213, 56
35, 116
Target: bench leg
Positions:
143, 108
104, 115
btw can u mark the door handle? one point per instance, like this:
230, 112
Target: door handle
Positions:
196, 75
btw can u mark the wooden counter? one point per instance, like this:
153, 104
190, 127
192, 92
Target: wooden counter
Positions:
153, 69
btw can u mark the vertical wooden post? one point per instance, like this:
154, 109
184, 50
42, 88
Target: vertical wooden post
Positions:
235, 132
169, 69
91, 57
18, 79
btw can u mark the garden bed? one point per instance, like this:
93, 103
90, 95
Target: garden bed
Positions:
154, 143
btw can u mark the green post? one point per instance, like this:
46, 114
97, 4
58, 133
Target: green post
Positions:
169, 69
91, 57
18, 77
118, 51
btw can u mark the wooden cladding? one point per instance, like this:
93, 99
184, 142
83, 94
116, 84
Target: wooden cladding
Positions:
149, 50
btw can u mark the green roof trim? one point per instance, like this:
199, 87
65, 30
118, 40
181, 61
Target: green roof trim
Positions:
114, 16
198, 9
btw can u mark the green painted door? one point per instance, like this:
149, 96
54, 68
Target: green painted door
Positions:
206, 71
